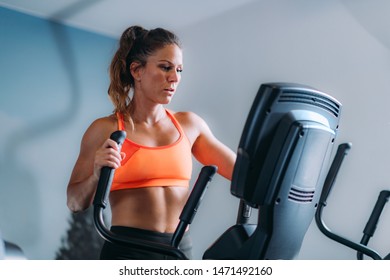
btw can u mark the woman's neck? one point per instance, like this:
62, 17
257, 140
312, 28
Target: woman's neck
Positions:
150, 115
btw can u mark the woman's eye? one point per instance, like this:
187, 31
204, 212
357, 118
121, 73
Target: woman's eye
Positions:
166, 68
170, 68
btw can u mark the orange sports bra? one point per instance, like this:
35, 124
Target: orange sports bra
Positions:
143, 166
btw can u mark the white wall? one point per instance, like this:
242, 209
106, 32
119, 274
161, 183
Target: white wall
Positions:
324, 44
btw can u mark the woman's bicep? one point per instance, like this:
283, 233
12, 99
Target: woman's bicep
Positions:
208, 150
83, 166
82, 183
91, 140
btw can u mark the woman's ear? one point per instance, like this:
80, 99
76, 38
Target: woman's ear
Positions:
135, 70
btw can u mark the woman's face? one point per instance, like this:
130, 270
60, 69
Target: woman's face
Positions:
157, 81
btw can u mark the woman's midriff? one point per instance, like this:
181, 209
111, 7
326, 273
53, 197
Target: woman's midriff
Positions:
151, 208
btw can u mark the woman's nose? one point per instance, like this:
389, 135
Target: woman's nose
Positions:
174, 76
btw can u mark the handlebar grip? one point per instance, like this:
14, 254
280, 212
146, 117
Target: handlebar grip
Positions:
191, 207
383, 198
107, 174
193, 202
342, 151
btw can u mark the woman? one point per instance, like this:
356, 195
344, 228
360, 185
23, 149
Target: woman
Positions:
153, 169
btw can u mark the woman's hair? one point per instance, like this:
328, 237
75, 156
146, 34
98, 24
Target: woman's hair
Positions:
135, 45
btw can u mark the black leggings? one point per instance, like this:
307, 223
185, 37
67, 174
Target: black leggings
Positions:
116, 252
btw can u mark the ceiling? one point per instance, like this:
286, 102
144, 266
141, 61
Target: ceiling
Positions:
111, 17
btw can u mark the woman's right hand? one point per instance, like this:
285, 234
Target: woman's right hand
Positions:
107, 155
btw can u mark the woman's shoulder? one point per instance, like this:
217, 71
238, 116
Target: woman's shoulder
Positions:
103, 123
191, 120
101, 128
106, 121
187, 117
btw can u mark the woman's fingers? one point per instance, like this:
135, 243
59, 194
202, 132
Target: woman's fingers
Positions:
107, 155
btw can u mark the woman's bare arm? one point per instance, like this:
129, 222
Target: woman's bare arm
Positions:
208, 150
96, 151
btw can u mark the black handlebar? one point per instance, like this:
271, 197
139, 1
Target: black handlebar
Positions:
329, 181
372, 222
193, 202
106, 174
342, 151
